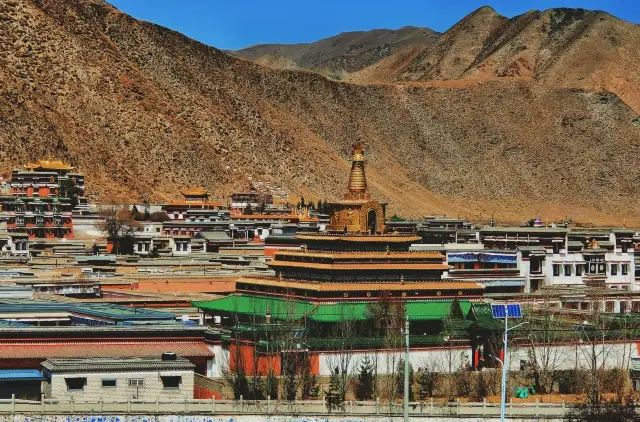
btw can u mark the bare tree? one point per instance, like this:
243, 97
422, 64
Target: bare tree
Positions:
545, 357
388, 316
118, 222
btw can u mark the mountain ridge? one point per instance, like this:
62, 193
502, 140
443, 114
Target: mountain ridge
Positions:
144, 110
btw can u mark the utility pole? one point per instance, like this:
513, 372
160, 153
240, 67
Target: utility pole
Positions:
406, 369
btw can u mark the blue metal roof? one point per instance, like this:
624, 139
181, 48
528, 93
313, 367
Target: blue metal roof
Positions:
20, 375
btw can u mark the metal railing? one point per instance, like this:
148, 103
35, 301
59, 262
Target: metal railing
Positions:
267, 407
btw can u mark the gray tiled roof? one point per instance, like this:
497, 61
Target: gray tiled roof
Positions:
120, 364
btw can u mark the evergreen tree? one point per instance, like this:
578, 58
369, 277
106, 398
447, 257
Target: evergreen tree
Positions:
400, 379
290, 379
257, 389
308, 381
272, 385
147, 215
135, 214
319, 208
325, 207
248, 210
365, 381
302, 203
426, 380
336, 394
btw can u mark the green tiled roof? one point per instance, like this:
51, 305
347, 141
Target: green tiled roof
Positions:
257, 306
425, 310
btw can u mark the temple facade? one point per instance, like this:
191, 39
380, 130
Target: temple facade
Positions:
352, 282
42, 196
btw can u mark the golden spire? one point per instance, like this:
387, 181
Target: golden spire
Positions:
357, 178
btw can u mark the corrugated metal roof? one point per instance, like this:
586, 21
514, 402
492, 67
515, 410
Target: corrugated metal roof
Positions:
20, 375
78, 349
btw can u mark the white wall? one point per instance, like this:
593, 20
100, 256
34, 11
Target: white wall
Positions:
442, 358
93, 389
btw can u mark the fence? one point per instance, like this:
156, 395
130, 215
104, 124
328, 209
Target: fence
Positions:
269, 407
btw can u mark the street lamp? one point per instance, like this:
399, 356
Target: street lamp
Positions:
505, 312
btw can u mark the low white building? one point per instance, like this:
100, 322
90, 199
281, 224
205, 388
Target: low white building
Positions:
109, 379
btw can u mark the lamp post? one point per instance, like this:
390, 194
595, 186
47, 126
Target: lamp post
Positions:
405, 407
514, 312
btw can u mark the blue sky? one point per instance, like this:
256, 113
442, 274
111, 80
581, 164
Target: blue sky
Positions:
236, 24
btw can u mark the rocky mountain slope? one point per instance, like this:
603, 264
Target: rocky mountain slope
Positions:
346, 52
558, 48
142, 109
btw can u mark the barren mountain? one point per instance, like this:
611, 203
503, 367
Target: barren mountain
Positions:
559, 48
346, 52
142, 109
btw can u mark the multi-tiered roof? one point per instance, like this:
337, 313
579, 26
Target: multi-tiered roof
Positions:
355, 258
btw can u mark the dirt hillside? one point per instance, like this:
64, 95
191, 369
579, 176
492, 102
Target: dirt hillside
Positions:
344, 53
143, 109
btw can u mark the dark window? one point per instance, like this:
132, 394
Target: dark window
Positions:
75, 384
579, 268
625, 269
556, 269
567, 270
109, 383
171, 382
614, 269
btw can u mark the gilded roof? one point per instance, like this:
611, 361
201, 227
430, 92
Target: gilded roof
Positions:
364, 255
331, 287
358, 266
199, 191
49, 165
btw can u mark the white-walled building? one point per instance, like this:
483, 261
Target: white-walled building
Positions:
94, 379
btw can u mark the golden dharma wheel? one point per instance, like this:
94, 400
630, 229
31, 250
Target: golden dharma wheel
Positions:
404, 294
52, 179
368, 294
439, 293
459, 292
345, 294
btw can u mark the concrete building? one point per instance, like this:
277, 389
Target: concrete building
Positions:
93, 379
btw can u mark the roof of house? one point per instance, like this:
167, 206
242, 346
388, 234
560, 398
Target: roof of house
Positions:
20, 375
113, 365
105, 310
13, 350
385, 238
215, 235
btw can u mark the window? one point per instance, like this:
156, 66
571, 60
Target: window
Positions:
171, 382
109, 383
614, 269
567, 270
579, 268
136, 382
178, 246
624, 269
556, 269
75, 384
